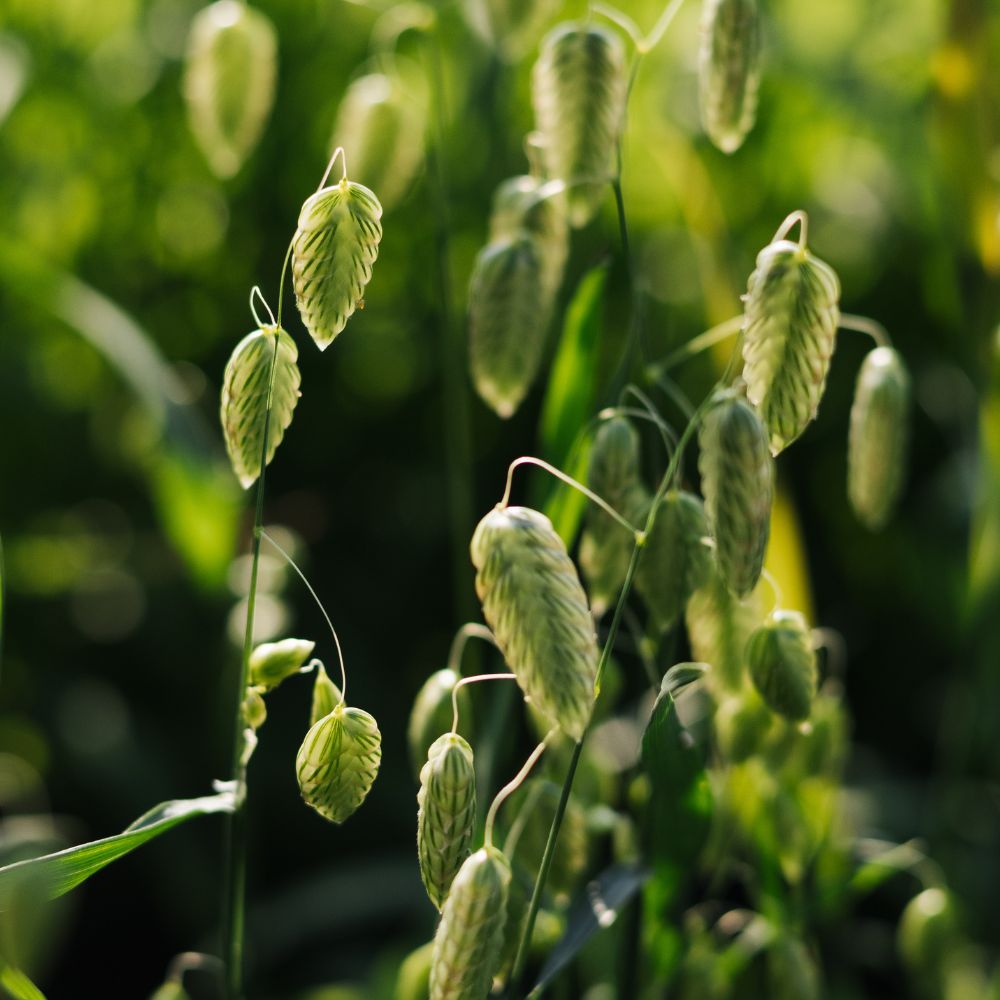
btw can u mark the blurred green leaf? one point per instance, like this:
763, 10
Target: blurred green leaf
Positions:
17, 985
63, 871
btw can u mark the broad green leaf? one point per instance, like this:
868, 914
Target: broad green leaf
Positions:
601, 902
17, 985
680, 801
246, 387
63, 871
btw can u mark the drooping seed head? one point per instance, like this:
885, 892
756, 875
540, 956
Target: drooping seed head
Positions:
272, 662
432, 712
878, 440
676, 559
791, 313
229, 76
326, 696
737, 480
413, 981
782, 664
469, 937
534, 603
929, 931
613, 474
446, 815
578, 89
333, 250
245, 387
509, 309
381, 125
338, 761
729, 70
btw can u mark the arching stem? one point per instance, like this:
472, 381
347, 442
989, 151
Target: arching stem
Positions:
513, 785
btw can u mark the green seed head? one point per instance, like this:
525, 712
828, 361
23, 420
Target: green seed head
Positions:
929, 933
272, 662
791, 313
338, 761
432, 714
729, 70
414, 979
737, 479
509, 308
534, 603
742, 725
333, 250
326, 695
470, 935
578, 89
782, 664
676, 559
244, 398
254, 709
446, 813
877, 445
229, 78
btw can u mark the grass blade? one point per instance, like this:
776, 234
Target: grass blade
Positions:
17, 985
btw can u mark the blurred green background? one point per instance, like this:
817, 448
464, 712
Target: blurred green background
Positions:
125, 268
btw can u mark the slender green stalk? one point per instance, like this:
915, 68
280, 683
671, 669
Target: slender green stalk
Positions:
236, 827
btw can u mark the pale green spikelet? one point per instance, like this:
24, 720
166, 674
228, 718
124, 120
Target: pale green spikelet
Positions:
534, 603
605, 546
432, 712
229, 81
578, 90
737, 480
525, 203
413, 981
244, 398
718, 626
791, 313
254, 709
508, 317
326, 696
676, 559
333, 250
729, 70
446, 814
381, 126
878, 440
470, 935
782, 664
338, 761
272, 662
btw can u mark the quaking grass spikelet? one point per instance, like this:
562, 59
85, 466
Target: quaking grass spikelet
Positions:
508, 317
229, 77
613, 474
534, 603
877, 444
244, 398
446, 813
782, 664
338, 761
273, 662
333, 250
431, 714
737, 480
326, 696
578, 89
791, 313
470, 935
676, 560
729, 70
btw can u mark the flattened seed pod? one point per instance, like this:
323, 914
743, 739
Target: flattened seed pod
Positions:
470, 935
381, 128
333, 250
729, 70
782, 664
737, 480
613, 474
791, 313
272, 662
229, 78
578, 90
525, 203
244, 398
446, 814
431, 714
508, 317
326, 695
877, 444
676, 560
534, 603
338, 761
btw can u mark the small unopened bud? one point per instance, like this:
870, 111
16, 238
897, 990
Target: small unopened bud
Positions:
272, 662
